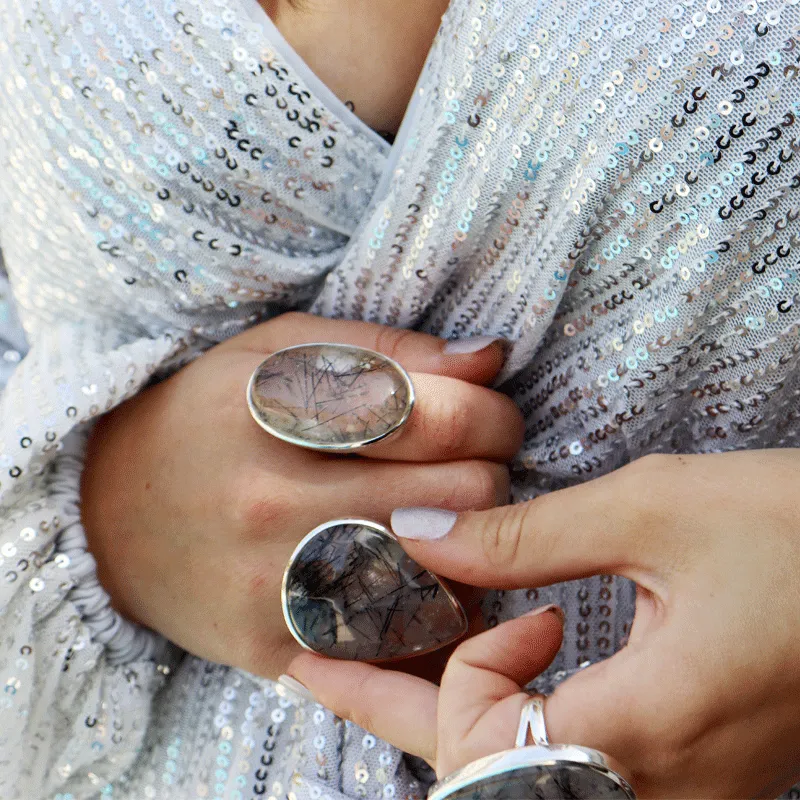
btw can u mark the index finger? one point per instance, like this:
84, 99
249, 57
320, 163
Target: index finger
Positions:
599, 527
476, 360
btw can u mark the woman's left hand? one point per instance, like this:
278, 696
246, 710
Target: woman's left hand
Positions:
705, 699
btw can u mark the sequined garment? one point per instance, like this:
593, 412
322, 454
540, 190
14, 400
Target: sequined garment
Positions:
610, 185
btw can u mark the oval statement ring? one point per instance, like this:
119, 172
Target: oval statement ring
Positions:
350, 591
539, 771
332, 397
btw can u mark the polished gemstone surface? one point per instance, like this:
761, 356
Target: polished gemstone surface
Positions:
556, 782
330, 396
352, 592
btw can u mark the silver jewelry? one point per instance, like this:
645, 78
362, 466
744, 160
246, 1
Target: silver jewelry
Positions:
331, 397
350, 591
538, 770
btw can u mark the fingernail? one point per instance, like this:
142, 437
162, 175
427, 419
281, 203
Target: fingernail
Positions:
290, 688
422, 523
461, 347
552, 607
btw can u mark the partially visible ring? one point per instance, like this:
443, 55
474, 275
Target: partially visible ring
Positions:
331, 397
532, 724
539, 769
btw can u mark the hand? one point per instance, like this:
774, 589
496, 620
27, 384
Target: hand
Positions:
705, 699
192, 510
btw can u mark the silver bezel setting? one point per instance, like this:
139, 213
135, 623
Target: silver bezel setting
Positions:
509, 761
380, 529
331, 448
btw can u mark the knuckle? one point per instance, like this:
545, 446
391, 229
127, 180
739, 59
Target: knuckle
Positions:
390, 341
502, 539
276, 332
480, 484
515, 421
288, 321
498, 493
452, 754
451, 428
263, 655
357, 705
262, 517
502, 485
360, 716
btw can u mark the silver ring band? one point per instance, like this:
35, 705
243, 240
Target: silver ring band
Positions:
537, 769
532, 724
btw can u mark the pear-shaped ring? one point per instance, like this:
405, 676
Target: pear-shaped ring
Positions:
350, 591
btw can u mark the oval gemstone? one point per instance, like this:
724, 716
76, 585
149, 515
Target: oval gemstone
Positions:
330, 396
352, 592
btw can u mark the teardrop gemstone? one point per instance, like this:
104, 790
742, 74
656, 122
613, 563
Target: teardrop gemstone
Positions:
352, 592
330, 396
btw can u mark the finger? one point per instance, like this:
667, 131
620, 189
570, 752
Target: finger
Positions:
399, 708
454, 420
476, 360
481, 694
455, 485
360, 489
610, 525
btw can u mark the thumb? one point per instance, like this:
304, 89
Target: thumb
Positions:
589, 529
481, 695
610, 707
625, 707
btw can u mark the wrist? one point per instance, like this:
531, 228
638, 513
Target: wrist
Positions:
122, 639
102, 516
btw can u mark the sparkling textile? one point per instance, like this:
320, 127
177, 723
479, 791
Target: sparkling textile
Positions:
352, 592
610, 185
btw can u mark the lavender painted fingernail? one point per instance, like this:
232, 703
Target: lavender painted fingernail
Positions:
290, 688
422, 523
550, 608
462, 347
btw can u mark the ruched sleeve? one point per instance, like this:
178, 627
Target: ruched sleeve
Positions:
76, 679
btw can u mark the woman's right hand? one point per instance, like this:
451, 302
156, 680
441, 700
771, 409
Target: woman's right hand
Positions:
192, 511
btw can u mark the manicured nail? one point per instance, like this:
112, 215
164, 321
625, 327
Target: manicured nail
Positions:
462, 347
290, 688
552, 607
422, 523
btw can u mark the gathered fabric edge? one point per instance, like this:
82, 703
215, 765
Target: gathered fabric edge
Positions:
123, 640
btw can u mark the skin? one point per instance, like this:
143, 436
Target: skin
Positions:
705, 699
182, 489
368, 52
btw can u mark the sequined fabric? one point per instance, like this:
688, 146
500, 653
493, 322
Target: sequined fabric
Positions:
610, 185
